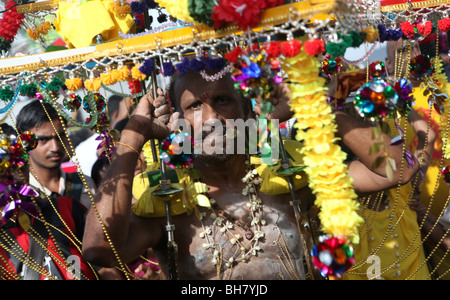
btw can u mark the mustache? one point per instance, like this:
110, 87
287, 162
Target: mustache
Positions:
55, 154
226, 132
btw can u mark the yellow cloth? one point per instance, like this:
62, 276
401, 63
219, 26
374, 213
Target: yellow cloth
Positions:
401, 253
406, 233
441, 195
78, 23
273, 184
151, 206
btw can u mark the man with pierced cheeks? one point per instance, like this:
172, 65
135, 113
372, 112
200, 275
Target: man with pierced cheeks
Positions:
216, 100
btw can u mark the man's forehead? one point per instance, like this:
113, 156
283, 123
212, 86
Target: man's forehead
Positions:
47, 128
197, 85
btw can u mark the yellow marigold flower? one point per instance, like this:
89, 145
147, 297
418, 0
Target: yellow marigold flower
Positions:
136, 74
33, 34
107, 79
122, 73
44, 28
74, 84
93, 85
371, 34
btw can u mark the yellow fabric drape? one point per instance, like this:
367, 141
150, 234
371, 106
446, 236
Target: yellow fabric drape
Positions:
79, 23
151, 206
396, 233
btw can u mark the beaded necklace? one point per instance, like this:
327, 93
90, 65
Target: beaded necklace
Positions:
223, 224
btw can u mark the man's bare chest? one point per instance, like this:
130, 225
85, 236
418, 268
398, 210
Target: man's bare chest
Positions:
240, 243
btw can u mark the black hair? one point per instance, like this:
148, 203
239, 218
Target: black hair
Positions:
113, 104
33, 115
8, 129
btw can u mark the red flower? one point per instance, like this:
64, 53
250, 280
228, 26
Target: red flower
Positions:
407, 29
273, 49
314, 46
245, 13
233, 55
424, 29
444, 24
11, 21
291, 48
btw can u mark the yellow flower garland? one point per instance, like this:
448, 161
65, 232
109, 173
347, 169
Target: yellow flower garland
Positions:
324, 159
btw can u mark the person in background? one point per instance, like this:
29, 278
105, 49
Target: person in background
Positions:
45, 160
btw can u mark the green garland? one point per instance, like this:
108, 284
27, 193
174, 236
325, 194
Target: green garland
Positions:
6, 94
201, 10
45, 92
353, 39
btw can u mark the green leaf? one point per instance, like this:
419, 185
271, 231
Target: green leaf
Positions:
375, 133
385, 127
375, 148
378, 161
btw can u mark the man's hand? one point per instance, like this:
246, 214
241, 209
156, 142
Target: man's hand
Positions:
151, 119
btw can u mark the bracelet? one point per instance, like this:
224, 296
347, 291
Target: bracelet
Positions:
126, 145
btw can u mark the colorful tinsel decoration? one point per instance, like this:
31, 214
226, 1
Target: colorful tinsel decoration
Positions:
332, 256
377, 70
376, 100
446, 174
73, 102
15, 205
98, 99
171, 150
255, 72
420, 67
14, 151
331, 66
404, 90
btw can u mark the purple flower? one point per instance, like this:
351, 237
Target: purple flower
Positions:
169, 69
183, 67
217, 63
147, 67
14, 192
151, 4
196, 65
388, 34
138, 7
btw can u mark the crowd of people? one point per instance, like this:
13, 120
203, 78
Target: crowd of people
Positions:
93, 216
